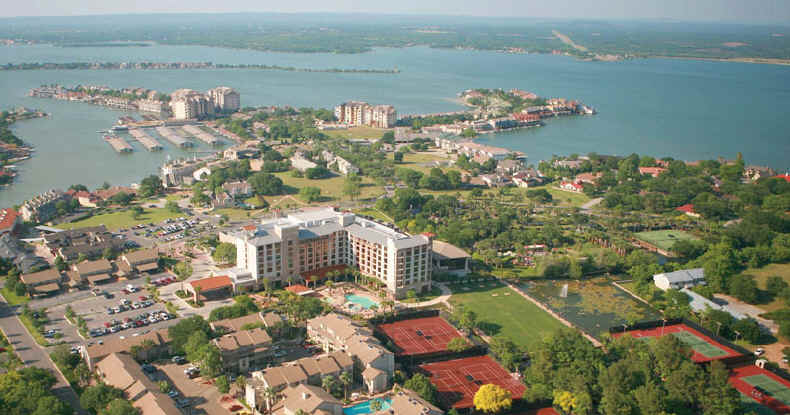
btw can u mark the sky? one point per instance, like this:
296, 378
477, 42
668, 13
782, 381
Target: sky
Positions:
746, 11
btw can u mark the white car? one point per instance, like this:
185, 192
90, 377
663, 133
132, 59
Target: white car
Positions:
759, 352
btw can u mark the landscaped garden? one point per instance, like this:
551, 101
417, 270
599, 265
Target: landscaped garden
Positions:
501, 311
593, 305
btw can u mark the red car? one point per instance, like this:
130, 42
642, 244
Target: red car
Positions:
107, 324
125, 291
143, 298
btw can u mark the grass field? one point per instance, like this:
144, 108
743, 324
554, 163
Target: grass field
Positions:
123, 219
510, 315
236, 214
761, 275
357, 132
664, 239
331, 188
374, 213
12, 298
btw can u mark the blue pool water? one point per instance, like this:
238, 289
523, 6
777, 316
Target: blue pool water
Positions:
361, 301
364, 407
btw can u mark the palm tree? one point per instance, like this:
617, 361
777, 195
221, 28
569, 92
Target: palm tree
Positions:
328, 383
375, 405
329, 284
268, 396
346, 380
241, 385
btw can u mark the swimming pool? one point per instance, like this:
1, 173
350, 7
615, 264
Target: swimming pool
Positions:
361, 301
364, 407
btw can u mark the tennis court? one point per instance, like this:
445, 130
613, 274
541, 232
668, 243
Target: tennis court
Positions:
699, 345
705, 348
664, 239
458, 380
420, 335
763, 387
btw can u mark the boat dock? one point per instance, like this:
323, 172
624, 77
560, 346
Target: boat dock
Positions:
174, 138
201, 135
118, 144
146, 140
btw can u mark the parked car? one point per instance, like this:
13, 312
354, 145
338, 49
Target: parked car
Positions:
759, 352
179, 360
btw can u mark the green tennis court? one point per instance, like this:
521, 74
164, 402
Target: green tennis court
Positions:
664, 239
699, 345
750, 405
777, 390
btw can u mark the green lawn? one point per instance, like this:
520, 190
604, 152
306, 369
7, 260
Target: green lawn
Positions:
374, 213
434, 293
761, 275
236, 214
331, 188
37, 336
357, 132
664, 239
564, 198
12, 298
123, 219
510, 315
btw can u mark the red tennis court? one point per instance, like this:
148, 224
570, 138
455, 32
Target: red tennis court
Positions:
764, 387
458, 380
705, 348
420, 335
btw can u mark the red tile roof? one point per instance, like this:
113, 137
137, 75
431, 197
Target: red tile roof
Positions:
687, 208
8, 218
297, 288
212, 283
783, 176
653, 171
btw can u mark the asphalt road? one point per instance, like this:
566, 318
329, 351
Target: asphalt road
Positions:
34, 355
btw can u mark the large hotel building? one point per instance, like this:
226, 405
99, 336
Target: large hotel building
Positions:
310, 242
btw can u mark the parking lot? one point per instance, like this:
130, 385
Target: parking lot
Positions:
166, 231
123, 313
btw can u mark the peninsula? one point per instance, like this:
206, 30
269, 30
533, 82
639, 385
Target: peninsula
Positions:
178, 65
12, 148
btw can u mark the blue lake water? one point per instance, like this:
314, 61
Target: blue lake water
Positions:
664, 107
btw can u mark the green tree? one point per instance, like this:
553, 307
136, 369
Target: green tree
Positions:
181, 332
457, 344
120, 407
423, 387
222, 384
150, 186
224, 253
172, 207
310, 194
96, 398
266, 184
352, 186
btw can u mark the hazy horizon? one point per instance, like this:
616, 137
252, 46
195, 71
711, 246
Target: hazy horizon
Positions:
725, 11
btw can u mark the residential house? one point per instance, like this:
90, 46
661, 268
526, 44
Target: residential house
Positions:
652, 171
755, 173
93, 272
590, 178
407, 402
90, 242
122, 372
240, 189
158, 345
680, 279
222, 200
85, 199
509, 166
235, 324
244, 349
688, 209
43, 282
10, 220
307, 399
42, 208
570, 164
572, 187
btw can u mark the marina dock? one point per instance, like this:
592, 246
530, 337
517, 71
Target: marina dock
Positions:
118, 144
201, 135
146, 140
174, 138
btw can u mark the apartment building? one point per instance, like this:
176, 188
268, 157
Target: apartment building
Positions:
151, 105
42, 207
361, 113
339, 163
407, 402
244, 349
225, 99
121, 371
373, 363
188, 104
308, 242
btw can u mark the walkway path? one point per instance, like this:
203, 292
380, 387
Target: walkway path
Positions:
34, 355
592, 203
446, 293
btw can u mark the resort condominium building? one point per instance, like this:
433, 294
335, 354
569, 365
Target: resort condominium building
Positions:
361, 113
311, 242
225, 99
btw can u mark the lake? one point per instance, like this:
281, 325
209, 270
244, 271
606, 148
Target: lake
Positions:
664, 107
